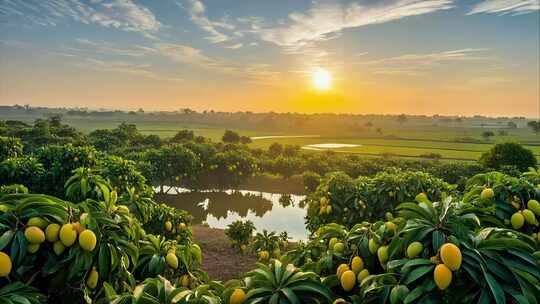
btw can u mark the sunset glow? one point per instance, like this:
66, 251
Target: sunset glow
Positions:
390, 56
322, 79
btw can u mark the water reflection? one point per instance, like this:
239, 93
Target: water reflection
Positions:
271, 211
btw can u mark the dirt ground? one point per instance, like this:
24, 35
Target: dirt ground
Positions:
221, 261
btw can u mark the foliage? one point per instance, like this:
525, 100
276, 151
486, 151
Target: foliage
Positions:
508, 154
240, 233
20, 293
59, 163
534, 125
278, 283
511, 194
230, 137
25, 170
13, 189
124, 253
340, 199
10, 147
267, 241
497, 264
171, 164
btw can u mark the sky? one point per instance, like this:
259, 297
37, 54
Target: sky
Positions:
447, 57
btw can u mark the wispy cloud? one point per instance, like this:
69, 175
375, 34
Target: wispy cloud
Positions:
502, 7
260, 73
329, 18
188, 55
143, 70
437, 57
121, 14
104, 47
420, 64
235, 46
197, 11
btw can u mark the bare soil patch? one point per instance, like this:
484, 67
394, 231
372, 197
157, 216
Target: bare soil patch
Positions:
221, 261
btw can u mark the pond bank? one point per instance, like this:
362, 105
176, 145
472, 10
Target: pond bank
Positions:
221, 261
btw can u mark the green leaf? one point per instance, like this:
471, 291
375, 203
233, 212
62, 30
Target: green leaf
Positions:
417, 273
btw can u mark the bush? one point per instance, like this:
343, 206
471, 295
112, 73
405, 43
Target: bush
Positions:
10, 147
240, 233
509, 154
122, 254
340, 199
311, 180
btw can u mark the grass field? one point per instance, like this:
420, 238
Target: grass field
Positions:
409, 140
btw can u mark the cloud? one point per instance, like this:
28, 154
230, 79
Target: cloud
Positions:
325, 19
121, 14
419, 64
260, 73
437, 57
197, 11
502, 7
143, 70
235, 46
189, 55
105, 47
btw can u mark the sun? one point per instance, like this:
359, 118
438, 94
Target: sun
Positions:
322, 79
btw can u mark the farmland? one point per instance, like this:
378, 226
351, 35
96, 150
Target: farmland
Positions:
418, 136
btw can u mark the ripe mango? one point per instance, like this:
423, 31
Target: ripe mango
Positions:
341, 269
442, 276
87, 240
348, 279
237, 297
68, 235
357, 264
38, 222
487, 194
5, 264
92, 279
34, 235
51, 232
451, 256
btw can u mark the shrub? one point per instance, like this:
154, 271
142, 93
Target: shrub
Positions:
340, 199
121, 254
10, 147
508, 154
240, 233
311, 180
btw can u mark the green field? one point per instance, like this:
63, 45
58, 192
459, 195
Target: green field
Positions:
419, 136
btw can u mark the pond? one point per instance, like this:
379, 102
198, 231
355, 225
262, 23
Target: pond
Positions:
270, 211
331, 146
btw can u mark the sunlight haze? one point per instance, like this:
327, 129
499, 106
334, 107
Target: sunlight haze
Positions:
393, 56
